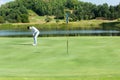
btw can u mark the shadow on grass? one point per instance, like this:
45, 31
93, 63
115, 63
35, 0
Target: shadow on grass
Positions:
111, 26
25, 44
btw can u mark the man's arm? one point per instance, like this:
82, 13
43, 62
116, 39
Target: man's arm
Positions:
33, 33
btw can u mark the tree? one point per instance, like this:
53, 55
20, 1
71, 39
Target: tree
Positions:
2, 19
118, 10
13, 12
16, 10
112, 12
24, 18
79, 12
71, 4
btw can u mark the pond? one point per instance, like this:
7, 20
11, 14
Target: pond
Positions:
18, 33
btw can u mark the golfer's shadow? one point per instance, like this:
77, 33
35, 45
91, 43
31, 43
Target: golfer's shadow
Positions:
25, 44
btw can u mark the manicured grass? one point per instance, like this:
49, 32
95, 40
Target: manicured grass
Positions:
89, 58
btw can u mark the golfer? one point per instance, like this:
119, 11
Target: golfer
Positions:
35, 32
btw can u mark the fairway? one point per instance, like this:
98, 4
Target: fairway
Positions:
89, 58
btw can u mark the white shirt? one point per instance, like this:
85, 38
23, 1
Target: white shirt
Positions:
34, 30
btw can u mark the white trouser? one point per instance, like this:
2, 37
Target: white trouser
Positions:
35, 37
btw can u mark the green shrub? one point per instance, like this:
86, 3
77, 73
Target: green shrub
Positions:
47, 19
2, 19
118, 19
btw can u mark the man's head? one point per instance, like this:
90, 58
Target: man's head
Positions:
28, 27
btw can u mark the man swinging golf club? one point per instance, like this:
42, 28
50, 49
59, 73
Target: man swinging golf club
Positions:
35, 33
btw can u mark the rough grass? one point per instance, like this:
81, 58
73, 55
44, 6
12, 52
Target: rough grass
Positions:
89, 58
36, 19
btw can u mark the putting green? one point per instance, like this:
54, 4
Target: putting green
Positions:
89, 58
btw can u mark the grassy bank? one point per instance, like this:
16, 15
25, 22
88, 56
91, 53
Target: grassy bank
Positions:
111, 25
83, 24
89, 58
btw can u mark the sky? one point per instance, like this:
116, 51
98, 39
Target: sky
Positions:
98, 2
110, 2
4, 1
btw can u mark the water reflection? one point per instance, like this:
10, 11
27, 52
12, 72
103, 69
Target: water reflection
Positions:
60, 32
13, 33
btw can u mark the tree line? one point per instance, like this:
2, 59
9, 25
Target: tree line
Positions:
17, 11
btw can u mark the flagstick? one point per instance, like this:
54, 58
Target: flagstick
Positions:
67, 44
67, 19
